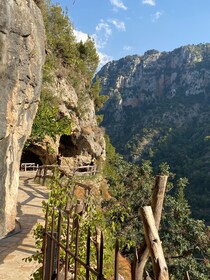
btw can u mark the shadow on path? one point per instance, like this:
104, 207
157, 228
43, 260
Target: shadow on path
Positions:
21, 245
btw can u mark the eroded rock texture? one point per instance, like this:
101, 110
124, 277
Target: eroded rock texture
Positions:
86, 140
21, 59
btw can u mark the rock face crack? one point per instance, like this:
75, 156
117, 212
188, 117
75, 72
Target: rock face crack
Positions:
3, 31
21, 34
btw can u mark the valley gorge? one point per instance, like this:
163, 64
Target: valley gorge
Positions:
158, 110
53, 115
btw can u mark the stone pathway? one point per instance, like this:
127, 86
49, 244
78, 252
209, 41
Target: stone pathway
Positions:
21, 245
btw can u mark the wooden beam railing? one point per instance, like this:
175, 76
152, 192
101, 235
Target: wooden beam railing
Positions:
25, 166
54, 241
48, 171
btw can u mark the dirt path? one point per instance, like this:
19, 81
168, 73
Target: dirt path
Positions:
21, 245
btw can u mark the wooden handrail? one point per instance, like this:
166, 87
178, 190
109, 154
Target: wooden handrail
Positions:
29, 165
42, 171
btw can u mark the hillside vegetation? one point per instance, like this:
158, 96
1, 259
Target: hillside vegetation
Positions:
185, 240
159, 110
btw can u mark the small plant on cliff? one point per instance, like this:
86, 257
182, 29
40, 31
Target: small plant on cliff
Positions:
48, 120
95, 90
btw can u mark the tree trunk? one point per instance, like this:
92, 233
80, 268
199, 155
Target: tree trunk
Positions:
153, 242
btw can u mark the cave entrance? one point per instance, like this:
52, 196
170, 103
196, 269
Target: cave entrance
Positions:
67, 148
30, 157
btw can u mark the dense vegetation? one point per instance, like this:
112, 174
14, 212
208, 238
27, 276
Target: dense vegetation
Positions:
184, 239
76, 62
168, 116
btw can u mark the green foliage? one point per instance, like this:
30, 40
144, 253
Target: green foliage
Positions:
61, 191
170, 127
130, 188
48, 120
164, 169
88, 55
185, 240
65, 59
95, 94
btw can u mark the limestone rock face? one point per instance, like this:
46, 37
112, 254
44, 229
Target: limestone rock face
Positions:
87, 139
159, 110
22, 52
86, 142
166, 88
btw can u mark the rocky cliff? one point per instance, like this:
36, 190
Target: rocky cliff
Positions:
65, 126
22, 55
159, 110
84, 143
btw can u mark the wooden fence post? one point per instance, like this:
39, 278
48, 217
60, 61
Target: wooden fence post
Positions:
45, 243
88, 255
187, 277
153, 242
99, 252
67, 245
157, 206
116, 262
58, 247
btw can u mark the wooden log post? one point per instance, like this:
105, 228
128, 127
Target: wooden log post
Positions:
157, 206
187, 277
98, 246
153, 242
116, 262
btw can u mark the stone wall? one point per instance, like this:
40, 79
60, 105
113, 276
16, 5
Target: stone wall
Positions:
22, 52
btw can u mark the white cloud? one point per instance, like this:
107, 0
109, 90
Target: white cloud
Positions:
156, 16
80, 36
149, 2
102, 34
104, 26
104, 58
120, 25
118, 4
127, 48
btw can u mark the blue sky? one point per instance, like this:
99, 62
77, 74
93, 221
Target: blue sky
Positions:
127, 27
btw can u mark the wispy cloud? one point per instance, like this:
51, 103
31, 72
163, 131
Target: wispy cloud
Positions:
118, 4
127, 48
120, 25
102, 34
80, 36
149, 2
104, 31
156, 16
104, 26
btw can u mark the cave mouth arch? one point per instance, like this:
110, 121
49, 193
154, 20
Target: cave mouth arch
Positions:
67, 148
30, 157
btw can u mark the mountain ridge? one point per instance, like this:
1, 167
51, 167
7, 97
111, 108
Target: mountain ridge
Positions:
156, 97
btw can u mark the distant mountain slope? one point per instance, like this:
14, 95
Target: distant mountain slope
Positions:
159, 109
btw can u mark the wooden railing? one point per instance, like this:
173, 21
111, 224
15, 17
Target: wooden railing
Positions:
48, 171
29, 166
67, 266
57, 240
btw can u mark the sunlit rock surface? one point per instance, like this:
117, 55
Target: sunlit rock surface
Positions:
22, 52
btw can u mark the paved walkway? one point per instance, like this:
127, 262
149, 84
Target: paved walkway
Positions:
13, 249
